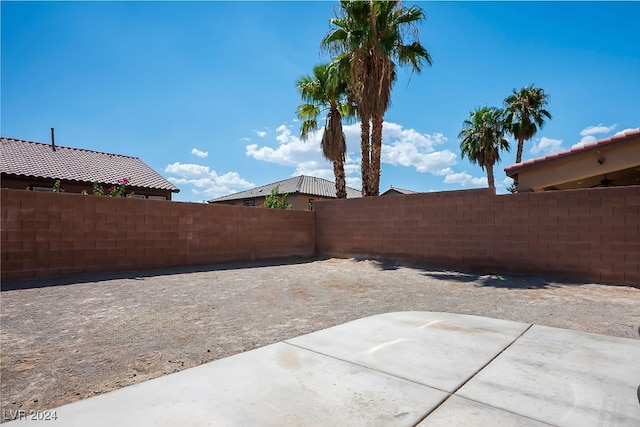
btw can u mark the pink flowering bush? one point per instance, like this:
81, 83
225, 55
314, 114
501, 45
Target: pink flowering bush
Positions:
117, 190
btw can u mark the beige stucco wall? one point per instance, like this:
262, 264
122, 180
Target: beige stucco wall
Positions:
618, 156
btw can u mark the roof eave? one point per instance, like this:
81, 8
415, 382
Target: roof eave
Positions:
78, 181
515, 169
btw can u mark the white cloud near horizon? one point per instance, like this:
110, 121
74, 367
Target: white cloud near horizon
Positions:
585, 140
588, 133
305, 156
466, 180
206, 181
594, 130
400, 146
409, 148
623, 131
546, 145
201, 154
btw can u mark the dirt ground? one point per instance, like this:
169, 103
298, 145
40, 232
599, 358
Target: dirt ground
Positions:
64, 340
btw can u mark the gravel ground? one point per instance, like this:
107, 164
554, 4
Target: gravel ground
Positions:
64, 340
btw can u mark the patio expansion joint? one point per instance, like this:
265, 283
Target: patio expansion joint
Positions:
448, 393
453, 393
364, 366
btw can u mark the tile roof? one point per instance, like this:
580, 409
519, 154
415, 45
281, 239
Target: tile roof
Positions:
300, 184
515, 168
35, 159
399, 190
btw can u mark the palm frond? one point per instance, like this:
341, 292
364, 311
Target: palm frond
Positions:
307, 127
482, 137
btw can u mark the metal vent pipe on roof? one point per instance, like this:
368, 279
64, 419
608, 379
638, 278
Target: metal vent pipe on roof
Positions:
53, 141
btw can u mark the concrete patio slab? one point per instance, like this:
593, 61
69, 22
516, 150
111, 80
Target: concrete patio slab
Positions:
564, 377
375, 371
440, 350
460, 412
275, 385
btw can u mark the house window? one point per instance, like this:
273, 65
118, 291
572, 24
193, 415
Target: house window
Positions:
310, 204
251, 202
157, 198
45, 189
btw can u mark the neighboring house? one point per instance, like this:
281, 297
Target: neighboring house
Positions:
613, 161
302, 192
395, 191
37, 166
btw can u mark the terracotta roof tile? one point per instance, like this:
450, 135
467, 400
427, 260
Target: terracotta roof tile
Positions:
513, 169
35, 159
300, 184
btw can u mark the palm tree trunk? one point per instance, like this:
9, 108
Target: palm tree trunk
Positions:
518, 160
338, 171
366, 154
519, 151
376, 151
490, 178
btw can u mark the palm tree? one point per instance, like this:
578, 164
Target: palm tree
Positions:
482, 139
371, 34
326, 90
525, 114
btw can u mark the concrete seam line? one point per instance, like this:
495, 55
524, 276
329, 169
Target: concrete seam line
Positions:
474, 375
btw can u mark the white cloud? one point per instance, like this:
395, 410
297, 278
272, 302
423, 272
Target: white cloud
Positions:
201, 154
443, 172
625, 131
187, 170
261, 133
291, 151
205, 180
404, 147
589, 132
465, 180
233, 179
407, 154
594, 130
284, 135
407, 147
305, 156
546, 145
354, 182
585, 140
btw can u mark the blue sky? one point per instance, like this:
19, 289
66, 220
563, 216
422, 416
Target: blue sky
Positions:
203, 92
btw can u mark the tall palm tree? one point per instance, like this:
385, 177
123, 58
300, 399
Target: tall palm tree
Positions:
326, 90
372, 35
525, 114
482, 139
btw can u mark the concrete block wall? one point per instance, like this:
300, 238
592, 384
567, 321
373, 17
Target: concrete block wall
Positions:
50, 234
450, 228
591, 234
